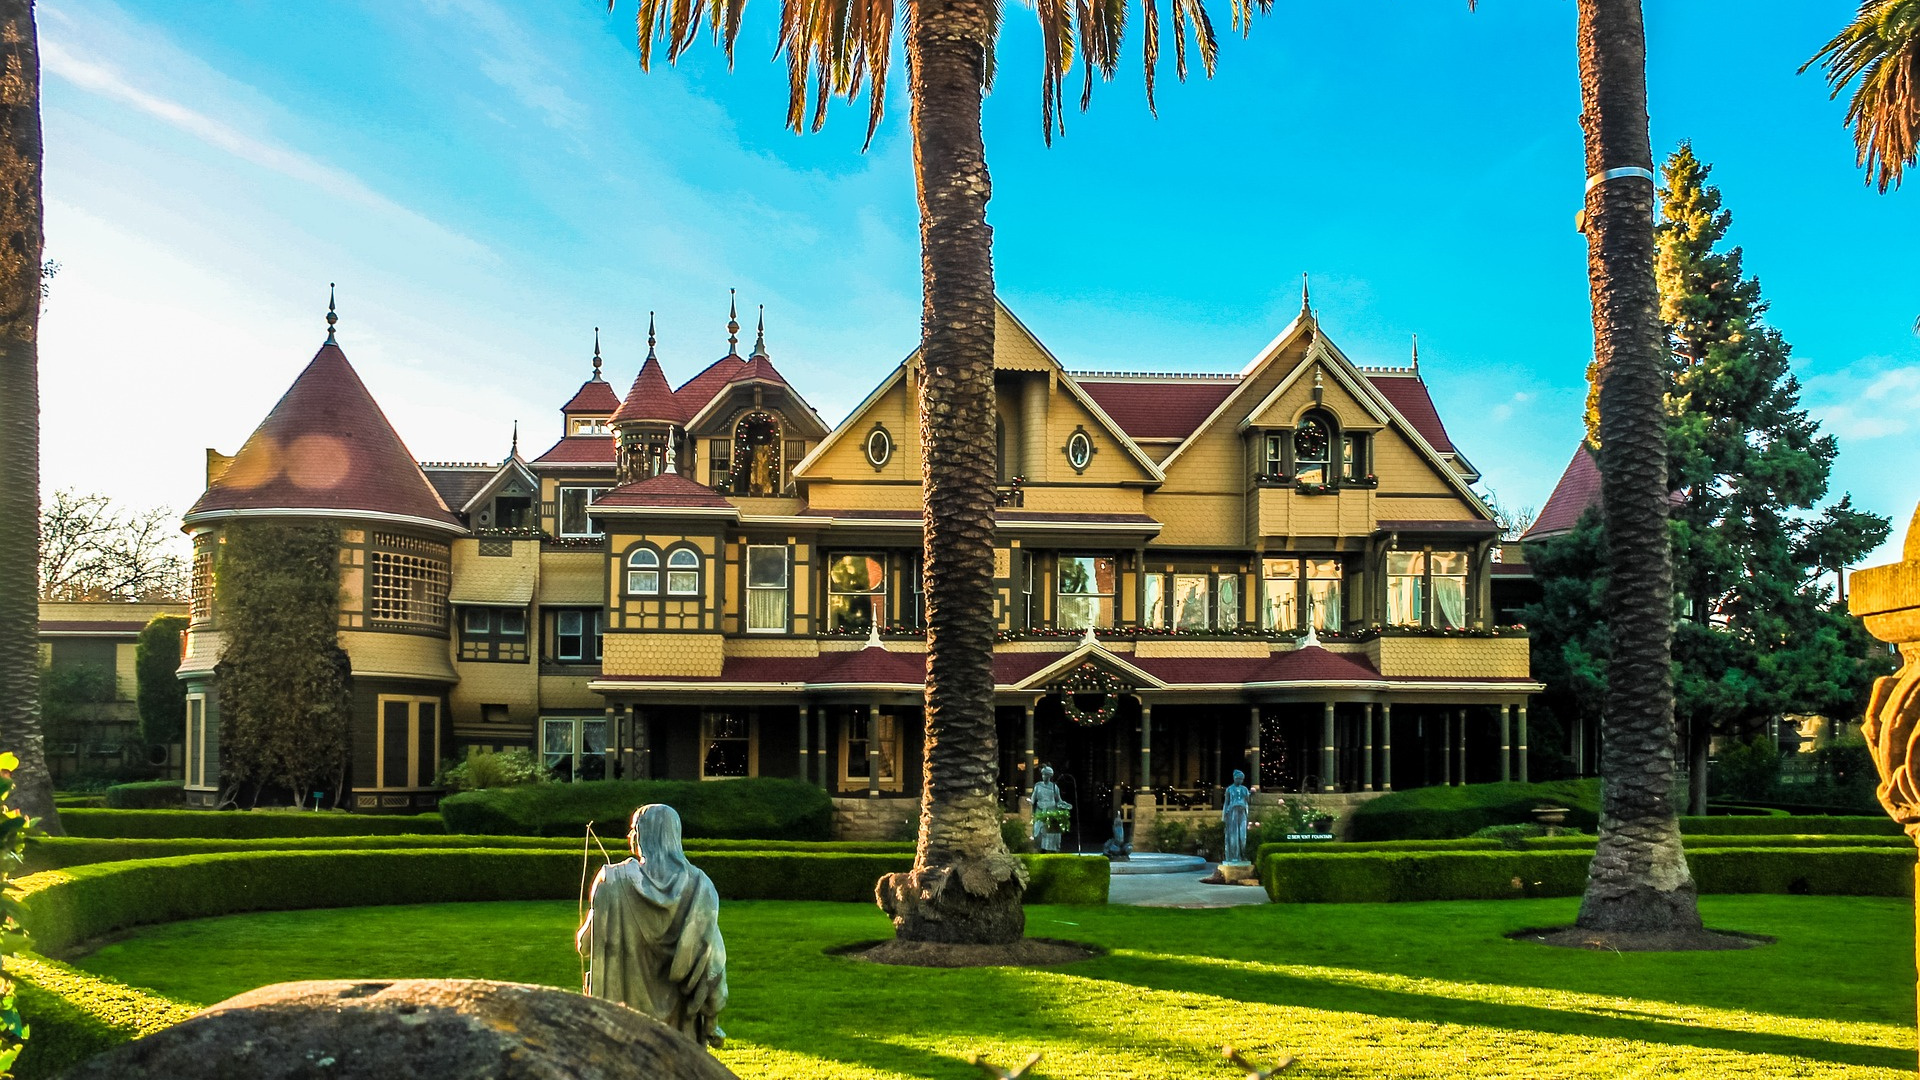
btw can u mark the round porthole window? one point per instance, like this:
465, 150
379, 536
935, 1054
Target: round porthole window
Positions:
1079, 450
879, 446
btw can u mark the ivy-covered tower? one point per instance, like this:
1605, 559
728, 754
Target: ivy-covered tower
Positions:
325, 456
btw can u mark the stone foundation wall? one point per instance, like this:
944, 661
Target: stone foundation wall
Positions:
875, 819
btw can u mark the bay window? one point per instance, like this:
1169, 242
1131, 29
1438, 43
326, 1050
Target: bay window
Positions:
1295, 587
1427, 588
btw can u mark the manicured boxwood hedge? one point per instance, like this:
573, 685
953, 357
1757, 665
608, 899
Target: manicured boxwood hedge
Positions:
65, 907
56, 852
761, 808
1393, 877
211, 824
1443, 813
146, 795
1575, 843
76, 1015
1865, 825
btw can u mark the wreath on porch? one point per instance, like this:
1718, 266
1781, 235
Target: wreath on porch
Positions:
1089, 680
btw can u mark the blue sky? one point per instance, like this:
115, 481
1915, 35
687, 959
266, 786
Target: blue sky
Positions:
489, 180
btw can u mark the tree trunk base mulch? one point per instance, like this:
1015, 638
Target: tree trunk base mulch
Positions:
1026, 952
1698, 940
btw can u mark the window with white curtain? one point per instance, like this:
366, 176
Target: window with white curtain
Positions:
683, 572
643, 572
766, 588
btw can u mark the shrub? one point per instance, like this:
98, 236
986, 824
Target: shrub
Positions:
1439, 813
1171, 835
1014, 833
483, 769
1400, 876
1747, 770
146, 795
77, 1015
760, 808
1565, 842
65, 907
160, 695
1808, 825
240, 823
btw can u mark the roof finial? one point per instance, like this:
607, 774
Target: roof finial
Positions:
1416, 354
873, 635
672, 458
650, 355
1310, 639
596, 354
1088, 638
515, 452
760, 336
1306, 299
733, 326
331, 316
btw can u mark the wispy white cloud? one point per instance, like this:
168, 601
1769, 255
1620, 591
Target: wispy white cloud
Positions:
71, 63
1873, 398
1505, 410
511, 61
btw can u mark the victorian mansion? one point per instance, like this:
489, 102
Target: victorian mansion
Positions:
1281, 569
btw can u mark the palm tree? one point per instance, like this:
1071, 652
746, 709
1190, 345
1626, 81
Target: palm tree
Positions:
1639, 879
21, 241
964, 886
1881, 47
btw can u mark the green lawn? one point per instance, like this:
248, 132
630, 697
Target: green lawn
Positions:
1352, 990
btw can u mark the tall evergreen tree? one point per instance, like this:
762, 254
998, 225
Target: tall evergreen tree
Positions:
1759, 632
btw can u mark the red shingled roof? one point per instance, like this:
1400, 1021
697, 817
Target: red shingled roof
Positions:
1578, 489
1408, 394
325, 446
698, 392
1315, 664
1169, 408
652, 399
594, 396
668, 491
871, 665
580, 450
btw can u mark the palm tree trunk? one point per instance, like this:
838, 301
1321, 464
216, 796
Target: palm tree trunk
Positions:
21, 242
1639, 879
964, 887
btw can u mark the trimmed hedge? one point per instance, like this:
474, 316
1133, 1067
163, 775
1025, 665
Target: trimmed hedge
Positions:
1569, 843
758, 808
146, 795
66, 907
58, 852
214, 824
76, 1015
1391, 877
1865, 825
1444, 813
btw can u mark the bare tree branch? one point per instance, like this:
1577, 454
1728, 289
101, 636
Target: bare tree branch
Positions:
91, 549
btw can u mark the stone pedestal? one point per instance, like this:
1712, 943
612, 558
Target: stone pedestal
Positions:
1887, 599
1239, 874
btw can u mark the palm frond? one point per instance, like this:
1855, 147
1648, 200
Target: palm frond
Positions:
1880, 48
1056, 60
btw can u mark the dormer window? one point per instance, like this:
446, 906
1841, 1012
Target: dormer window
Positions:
1312, 449
756, 456
590, 425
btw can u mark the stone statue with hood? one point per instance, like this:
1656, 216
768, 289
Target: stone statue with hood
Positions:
652, 933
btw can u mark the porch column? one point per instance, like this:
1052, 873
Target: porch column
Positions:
873, 751
806, 755
820, 762
1523, 742
1386, 746
1506, 742
1460, 748
1145, 783
1579, 729
1446, 747
1253, 748
1328, 781
643, 736
1366, 748
1033, 761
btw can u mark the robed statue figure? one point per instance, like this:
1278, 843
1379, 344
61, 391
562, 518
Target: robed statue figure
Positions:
1233, 820
652, 935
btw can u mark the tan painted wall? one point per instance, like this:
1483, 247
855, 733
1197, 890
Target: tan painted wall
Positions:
691, 655
573, 577
513, 685
1492, 658
414, 656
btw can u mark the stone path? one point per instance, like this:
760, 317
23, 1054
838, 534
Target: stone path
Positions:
1180, 890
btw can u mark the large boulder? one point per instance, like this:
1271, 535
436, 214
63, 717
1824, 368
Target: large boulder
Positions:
426, 1029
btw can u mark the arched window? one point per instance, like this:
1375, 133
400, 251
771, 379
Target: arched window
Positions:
643, 572
1312, 450
683, 572
756, 456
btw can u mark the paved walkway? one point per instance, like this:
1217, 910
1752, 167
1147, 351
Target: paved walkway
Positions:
1180, 890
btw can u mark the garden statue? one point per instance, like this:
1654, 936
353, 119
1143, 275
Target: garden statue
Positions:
1233, 821
1117, 849
1048, 808
652, 934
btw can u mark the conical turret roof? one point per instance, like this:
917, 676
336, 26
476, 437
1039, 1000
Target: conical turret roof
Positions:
327, 448
652, 399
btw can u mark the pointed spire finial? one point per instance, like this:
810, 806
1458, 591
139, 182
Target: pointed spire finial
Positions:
673, 465
515, 451
596, 354
1089, 638
332, 317
1416, 353
873, 635
650, 355
1306, 297
1310, 639
760, 336
733, 326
